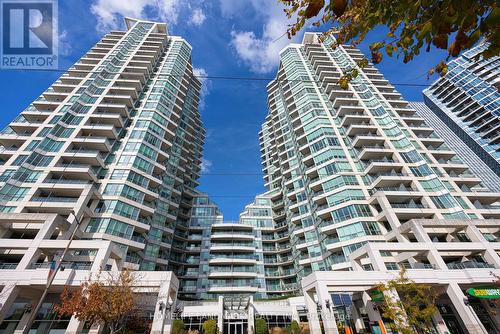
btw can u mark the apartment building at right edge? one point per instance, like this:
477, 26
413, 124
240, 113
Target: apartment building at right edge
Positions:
367, 192
467, 101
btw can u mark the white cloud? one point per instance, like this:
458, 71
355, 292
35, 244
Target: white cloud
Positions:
64, 46
109, 13
205, 165
261, 54
206, 84
197, 17
230, 8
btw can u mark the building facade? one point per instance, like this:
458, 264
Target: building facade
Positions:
467, 100
112, 149
479, 168
353, 165
359, 187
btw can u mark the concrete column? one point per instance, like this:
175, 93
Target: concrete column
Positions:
75, 326
375, 259
312, 313
295, 313
96, 329
30, 256
162, 319
251, 316
358, 321
48, 228
24, 321
33, 300
465, 312
392, 219
373, 313
419, 233
101, 258
394, 296
440, 324
7, 297
491, 257
436, 260
220, 315
474, 234
329, 323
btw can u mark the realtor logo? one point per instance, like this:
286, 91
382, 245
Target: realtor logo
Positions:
29, 34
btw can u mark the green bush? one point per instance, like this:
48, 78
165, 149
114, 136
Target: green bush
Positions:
178, 327
210, 327
261, 326
294, 328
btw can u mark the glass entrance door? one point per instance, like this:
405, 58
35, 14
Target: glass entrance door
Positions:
235, 326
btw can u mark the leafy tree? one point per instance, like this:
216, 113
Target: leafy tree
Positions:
178, 326
106, 302
210, 327
455, 25
260, 326
412, 313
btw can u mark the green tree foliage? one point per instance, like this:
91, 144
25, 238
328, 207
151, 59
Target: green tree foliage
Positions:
455, 25
260, 326
210, 327
412, 313
178, 327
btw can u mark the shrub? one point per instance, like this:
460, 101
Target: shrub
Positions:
178, 327
210, 327
261, 326
294, 328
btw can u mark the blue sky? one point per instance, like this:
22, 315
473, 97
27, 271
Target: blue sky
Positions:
229, 38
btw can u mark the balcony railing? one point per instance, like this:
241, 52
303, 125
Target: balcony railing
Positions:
469, 265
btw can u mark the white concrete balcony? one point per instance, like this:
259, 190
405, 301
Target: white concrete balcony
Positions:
389, 179
85, 66
74, 171
230, 289
367, 140
231, 236
230, 274
330, 75
83, 157
231, 260
355, 118
214, 248
115, 108
93, 143
118, 99
54, 96
356, 129
71, 80
131, 75
62, 88
107, 119
123, 82
375, 153
377, 167
123, 91
99, 130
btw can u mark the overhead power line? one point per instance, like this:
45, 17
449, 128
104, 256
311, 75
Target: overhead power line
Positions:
212, 77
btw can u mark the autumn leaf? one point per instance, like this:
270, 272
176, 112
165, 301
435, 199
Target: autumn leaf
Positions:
338, 7
376, 57
440, 41
412, 26
313, 8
